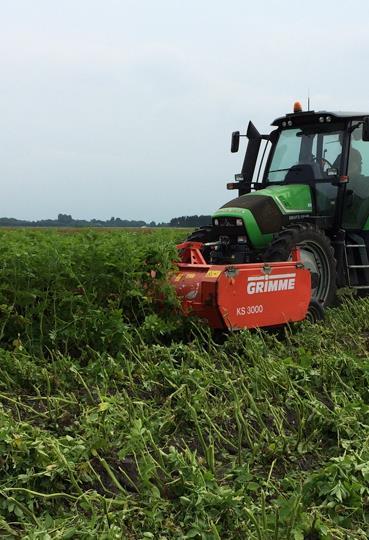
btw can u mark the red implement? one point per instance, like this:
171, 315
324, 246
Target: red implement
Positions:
242, 295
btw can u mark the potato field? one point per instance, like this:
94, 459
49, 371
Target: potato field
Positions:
119, 419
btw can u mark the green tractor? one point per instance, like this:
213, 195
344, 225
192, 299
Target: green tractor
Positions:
304, 184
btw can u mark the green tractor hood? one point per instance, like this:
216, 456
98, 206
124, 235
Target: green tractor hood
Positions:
266, 211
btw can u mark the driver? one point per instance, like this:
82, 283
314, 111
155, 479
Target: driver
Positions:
357, 181
355, 163
357, 210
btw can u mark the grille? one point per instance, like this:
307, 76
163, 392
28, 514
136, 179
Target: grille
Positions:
226, 226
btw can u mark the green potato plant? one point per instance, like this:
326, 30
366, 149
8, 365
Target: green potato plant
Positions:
120, 419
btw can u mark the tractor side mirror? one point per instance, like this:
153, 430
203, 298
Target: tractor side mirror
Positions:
366, 129
235, 141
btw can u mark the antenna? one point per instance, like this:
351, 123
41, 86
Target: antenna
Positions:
308, 99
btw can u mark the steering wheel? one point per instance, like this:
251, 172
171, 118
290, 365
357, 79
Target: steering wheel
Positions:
323, 162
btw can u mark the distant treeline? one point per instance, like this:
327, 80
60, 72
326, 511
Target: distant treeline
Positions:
66, 220
190, 221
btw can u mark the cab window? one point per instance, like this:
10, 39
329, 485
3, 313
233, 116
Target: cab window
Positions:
356, 209
361, 146
306, 153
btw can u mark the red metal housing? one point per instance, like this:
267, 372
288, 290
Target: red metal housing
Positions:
242, 295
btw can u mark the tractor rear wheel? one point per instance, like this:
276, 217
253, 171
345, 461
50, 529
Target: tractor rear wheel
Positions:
316, 253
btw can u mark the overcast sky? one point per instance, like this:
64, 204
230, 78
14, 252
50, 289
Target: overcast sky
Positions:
125, 108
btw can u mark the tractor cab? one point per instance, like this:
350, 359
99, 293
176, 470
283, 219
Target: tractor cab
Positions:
327, 152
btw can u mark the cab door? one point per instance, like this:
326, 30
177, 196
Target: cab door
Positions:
356, 206
328, 149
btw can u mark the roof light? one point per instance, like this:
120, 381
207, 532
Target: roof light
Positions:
284, 124
297, 107
321, 119
328, 118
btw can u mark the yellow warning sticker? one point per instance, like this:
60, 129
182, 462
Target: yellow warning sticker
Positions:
213, 273
190, 275
178, 277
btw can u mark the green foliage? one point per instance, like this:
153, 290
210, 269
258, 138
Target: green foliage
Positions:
119, 419
76, 292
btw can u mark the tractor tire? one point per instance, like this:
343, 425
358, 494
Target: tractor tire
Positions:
316, 254
204, 235
315, 312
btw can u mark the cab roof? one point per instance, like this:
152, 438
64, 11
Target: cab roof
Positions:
306, 117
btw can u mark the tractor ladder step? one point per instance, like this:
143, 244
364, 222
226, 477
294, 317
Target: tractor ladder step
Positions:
357, 274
